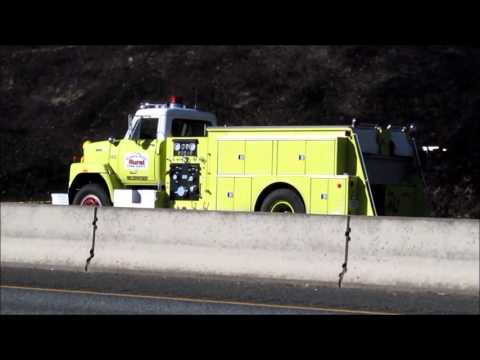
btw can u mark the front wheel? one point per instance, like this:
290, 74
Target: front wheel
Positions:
91, 195
283, 200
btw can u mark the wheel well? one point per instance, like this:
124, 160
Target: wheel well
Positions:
84, 179
273, 187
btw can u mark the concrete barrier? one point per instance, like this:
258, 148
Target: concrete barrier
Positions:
45, 235
406, 252
221, 243
419, 252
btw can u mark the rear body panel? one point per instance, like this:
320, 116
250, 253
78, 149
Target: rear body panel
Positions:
320, 163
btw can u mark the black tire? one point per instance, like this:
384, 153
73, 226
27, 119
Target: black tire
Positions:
93, 192
283, 200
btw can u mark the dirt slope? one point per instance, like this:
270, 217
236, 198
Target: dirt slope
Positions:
54, 97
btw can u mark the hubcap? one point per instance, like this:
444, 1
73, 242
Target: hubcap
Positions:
282, 206
90, 200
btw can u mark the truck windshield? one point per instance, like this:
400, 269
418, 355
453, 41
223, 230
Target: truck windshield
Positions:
145, 128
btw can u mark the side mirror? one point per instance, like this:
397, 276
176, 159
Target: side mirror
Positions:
130, 119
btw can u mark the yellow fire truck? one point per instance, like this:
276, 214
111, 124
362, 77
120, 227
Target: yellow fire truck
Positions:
177, 157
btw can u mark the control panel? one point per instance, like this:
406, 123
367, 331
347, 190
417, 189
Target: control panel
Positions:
184, 181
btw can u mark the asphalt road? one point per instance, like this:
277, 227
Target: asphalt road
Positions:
36, 301
35, 291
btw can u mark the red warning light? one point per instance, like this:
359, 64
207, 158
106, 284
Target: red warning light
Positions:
178, 100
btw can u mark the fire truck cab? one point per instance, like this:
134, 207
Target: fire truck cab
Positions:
157, 121
137, 160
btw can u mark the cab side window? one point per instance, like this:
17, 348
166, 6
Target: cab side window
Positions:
189, 128
146, 129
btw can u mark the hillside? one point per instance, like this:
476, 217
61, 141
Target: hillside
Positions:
54, 97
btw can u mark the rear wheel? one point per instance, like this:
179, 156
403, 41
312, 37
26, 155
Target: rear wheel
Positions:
283, 200
91, 195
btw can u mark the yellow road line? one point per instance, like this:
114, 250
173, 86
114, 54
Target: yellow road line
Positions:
223, 302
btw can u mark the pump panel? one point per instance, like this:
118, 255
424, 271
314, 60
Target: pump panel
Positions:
184, 181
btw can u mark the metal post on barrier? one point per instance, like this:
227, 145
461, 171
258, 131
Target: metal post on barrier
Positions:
344, 265
92, 250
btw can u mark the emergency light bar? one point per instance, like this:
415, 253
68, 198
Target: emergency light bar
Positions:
173, 102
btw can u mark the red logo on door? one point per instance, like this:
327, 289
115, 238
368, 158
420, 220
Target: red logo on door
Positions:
135, 161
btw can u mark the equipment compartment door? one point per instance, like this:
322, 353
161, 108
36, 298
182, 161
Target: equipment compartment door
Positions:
225, 188
319, 196
231, 157
234, 194
258, 157
242, 194
291, 157
321, 157
337, 193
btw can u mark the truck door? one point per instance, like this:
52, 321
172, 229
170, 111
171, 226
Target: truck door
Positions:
138, 157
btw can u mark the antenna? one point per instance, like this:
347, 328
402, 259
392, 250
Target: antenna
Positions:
195, 106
